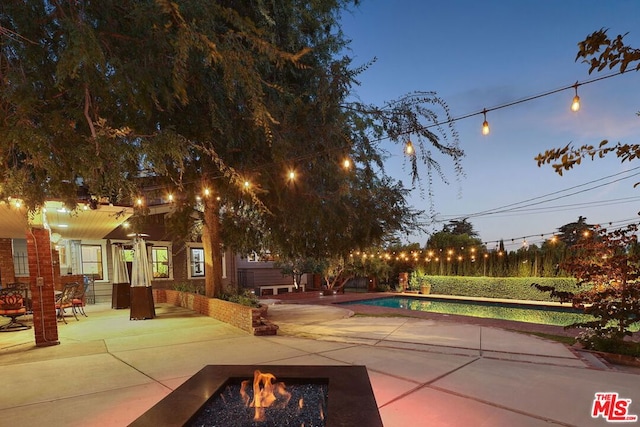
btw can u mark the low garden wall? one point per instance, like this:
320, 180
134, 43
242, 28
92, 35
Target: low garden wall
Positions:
247, 318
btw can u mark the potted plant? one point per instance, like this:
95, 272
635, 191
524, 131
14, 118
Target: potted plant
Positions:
419, 282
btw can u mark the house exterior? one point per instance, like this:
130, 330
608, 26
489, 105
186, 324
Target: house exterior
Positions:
83, 243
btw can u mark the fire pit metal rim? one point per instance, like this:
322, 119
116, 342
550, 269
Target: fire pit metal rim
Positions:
350, 398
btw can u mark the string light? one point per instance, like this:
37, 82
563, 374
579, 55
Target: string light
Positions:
346, 163
485, 124
575, 105
408, 149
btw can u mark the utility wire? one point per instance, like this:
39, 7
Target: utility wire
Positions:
527, 202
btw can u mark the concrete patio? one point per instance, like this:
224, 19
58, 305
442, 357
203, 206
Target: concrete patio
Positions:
109, 370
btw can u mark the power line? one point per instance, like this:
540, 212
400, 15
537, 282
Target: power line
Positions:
527, 202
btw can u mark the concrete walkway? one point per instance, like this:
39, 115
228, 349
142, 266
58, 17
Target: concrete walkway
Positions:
109, 370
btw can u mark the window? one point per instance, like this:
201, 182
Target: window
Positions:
262, 257
196, 256
91, 256
20, 258
160, 262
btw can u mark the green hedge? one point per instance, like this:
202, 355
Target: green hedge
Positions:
499, 287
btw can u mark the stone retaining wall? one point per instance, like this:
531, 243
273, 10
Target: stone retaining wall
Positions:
248, 319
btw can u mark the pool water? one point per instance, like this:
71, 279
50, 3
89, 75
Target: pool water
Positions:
543, 315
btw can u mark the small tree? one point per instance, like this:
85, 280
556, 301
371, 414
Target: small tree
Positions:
607, 268
336, 272
297, 267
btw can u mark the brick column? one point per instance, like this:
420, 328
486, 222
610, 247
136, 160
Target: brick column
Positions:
41, 282
7, 272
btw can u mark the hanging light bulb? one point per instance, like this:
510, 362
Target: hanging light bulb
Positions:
575, 105
485, 124
409, 148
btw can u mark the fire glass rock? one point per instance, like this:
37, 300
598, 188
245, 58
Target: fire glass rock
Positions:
306, 407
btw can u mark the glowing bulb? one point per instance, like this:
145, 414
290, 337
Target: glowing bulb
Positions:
575, 106
408, 148
292, 175
346, 163
485, 124
170, 198
207, 192
139, 202
247, 184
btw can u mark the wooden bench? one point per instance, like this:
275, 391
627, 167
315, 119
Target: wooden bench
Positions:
278, 289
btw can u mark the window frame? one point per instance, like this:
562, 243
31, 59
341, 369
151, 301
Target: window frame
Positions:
101, 262
152, 263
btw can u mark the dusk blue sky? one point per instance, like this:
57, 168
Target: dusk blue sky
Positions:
478, 55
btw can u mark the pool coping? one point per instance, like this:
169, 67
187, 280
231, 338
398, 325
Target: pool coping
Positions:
466, 298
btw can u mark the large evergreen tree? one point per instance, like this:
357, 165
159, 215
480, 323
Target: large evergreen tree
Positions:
224, 96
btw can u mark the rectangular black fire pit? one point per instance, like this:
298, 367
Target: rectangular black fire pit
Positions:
346, 394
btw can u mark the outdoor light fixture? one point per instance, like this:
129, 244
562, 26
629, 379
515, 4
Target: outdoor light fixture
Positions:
408, 148
575, 105
485, 124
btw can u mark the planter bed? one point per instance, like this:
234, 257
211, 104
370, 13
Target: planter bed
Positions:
249, 319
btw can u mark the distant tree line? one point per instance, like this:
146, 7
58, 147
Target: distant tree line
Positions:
456, 250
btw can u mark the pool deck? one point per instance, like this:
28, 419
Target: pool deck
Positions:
434, 371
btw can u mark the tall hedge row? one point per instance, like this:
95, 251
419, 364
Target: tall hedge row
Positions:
499, 287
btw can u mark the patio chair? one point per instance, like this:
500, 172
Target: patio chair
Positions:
12, 305
65, 300
79, 299
26, 293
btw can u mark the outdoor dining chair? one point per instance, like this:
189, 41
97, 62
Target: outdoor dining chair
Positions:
79, 299
12, 305
26, 293
65, 300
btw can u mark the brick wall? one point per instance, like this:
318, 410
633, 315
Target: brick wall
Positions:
241, 316
41, 266
7, 273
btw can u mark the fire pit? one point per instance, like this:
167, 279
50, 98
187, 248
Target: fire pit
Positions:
237, 395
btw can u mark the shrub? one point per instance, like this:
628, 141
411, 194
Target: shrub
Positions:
607, 268
245, 297
189, 287
417, 279
497, 287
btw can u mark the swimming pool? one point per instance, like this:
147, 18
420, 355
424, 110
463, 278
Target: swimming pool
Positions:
542, 315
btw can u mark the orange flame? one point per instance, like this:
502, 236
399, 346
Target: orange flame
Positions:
265, 394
